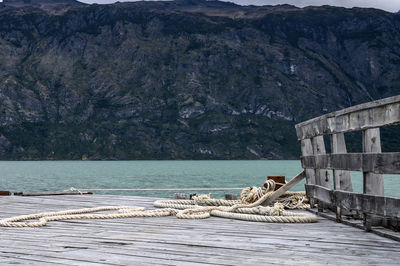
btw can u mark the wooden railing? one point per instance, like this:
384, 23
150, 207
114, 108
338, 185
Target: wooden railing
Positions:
368, 118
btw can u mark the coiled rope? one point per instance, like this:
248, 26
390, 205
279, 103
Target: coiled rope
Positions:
202, 206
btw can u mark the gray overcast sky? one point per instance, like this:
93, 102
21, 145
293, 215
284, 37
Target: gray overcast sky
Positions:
388, 5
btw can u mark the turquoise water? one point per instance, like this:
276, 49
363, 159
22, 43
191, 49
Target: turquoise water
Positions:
37, 176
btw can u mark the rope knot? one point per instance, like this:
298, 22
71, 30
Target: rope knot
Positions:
256, 193
277, 210
201, 199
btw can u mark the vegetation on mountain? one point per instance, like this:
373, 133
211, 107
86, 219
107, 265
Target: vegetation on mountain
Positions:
187, 79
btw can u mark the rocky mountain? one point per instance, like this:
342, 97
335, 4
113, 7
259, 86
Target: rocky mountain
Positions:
40, 3
51, 6
187, 79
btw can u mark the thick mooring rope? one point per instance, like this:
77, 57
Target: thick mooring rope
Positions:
248, 208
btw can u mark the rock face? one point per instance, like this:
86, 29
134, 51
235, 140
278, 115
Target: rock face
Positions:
40, 3
184, 79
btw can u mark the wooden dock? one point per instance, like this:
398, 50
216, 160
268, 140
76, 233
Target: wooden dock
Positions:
172, 241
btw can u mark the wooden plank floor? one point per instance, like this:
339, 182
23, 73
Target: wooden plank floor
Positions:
172, 241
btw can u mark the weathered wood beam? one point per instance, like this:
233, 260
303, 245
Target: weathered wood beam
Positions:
373, 182
376, 205
378, 163
360, 117
307, 150
321, 174
341, 178
320, 193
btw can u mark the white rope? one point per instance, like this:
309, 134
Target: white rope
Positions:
246, 210
74, 189
201, 207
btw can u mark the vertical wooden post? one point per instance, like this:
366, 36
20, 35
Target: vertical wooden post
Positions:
338, 214
307, 150
179, 196
321, 175
342, 179
373, 183
230, 196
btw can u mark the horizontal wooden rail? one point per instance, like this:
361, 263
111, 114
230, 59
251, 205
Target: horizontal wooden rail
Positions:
320, 193
360, 117
378, 163
377, 205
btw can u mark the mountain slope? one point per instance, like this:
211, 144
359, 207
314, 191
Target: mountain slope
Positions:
184, 79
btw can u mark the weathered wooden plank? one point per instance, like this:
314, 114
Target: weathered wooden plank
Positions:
312, 235
127, 243
124, 255
379, 163
373, 183
307, 150
121, 233
378, 205
342, 179
297, 247
302, 252
11, 259
240, 254
54, 259
360, 117
342, 236
320, 193
321, 174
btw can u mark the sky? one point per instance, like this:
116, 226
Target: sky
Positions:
388, 5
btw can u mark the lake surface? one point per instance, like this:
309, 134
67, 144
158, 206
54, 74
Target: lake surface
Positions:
17, 176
